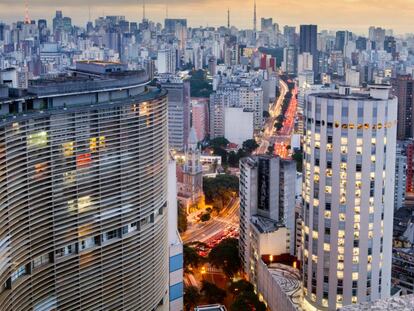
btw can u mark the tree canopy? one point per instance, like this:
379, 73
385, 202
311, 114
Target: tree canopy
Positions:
225, 255
212, 293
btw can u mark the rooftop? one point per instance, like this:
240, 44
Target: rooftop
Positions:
400, 303
265, 225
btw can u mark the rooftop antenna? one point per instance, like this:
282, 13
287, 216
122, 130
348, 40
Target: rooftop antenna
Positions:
26, 14
255, 19
143, 10
228, 18
166, 9
89, 11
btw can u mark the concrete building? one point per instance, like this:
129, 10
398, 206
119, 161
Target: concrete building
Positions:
305, 62
178, 110
176, 259
403, 269
200, 117
238, 125
403, 88
403, 303
80, 234
267, 196
166, 61
400, 177
352, 78
348, 192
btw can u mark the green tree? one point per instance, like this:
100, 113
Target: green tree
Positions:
233, 159
266, 114
298, 157
191, 297
226, 256
222, 187
247, 301
271, 149
250, 145
212, 293
219, 142
240, 286
205, 217
182, 218
191, 258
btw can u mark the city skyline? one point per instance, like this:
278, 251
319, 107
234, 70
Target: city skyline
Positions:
394, 15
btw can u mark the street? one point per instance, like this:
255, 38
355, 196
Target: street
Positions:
203, 232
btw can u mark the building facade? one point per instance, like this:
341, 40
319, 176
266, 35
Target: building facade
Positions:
348, 192
267, 201
84, 183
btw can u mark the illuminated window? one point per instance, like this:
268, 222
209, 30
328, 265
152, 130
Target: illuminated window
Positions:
93, 146
84, 203
326, 247
340, 266
340, 274
102, 142
354, 276
38, 139
83, 160
342, 217
68, 149
40, 170
315, 235
69, 177
328, 214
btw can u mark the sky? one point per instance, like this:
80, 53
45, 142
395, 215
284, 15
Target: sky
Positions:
355, 15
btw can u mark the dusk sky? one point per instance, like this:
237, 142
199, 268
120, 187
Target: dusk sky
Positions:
356, 15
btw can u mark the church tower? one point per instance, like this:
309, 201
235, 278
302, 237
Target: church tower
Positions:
193, 170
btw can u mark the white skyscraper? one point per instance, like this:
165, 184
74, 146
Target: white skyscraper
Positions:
348, 191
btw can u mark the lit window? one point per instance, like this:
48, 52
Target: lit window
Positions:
315, 235
326, 247
328, 214
40, 170
102, 142
93, 146
83, 160
355, 276
67, 149
69, 177
38, 139
340, 274
84, 203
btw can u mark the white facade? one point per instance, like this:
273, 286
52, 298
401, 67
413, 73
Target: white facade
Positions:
348, 193
305, 62
238, 125
352, 78
400, 178
166, 61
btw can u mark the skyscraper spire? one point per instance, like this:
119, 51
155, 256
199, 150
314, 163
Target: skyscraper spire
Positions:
255, 20
143, 10
26, 15
228, 18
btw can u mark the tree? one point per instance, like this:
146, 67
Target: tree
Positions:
205, 217
182, 218
266, 114
191, 257
241, 286
212, 293
233, 159
250, 145
298, 157
191, 297
222, 187
219, 142
226, 256
271, 149
247, 301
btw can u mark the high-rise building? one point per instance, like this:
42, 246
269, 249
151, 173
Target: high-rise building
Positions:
267, 198
308, 43
179, 110
86, 193
348, 193
200, 117
403, 88
171, 24
289, 33
290, 60
400, 176
266, 24
166, 61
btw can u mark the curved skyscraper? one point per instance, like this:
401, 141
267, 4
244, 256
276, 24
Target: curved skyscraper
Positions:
83, 179
349, 163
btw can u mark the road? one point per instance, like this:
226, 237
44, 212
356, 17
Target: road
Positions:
268, 134
203, 232
280, 140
